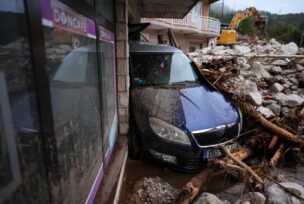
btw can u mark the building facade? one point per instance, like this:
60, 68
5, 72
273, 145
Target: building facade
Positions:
64, 95
195, 31
59, 112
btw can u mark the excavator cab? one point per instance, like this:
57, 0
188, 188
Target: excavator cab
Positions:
228, 37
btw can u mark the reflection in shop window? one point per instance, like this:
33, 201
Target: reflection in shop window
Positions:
16, 66
72, 66
108, 90
9, 163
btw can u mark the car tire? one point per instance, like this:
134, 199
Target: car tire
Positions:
134, 144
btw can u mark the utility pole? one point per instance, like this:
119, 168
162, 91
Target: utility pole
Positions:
222, 17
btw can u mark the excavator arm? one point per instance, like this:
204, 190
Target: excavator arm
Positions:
238, 17
228, 37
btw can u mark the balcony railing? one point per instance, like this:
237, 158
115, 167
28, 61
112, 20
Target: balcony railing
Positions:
191, 21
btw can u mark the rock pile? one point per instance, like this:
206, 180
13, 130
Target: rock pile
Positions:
153, 190
274, 85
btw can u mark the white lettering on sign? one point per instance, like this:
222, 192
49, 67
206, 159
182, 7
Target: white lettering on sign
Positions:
105, 35
68, 20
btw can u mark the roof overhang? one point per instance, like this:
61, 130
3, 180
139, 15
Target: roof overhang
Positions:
165, 8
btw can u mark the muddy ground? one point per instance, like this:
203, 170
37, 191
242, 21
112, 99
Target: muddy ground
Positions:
224, 186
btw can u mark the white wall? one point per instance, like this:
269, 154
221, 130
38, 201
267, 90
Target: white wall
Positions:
182, 40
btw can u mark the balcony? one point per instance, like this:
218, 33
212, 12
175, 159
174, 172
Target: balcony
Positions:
191, 23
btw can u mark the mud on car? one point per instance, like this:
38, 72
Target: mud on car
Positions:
177, 116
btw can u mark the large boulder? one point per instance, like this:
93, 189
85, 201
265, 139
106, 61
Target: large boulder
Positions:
290, 48
259, 70
255, 98
301, 62
208, 198
299, 68
275, 70
250, 90
267, 49
291, 100
276, 195
280, 62
275, 108
276, 87
241, 49
266, 112
252, 197
274, 42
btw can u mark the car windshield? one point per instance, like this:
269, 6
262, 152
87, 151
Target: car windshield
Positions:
161, 68
77, 67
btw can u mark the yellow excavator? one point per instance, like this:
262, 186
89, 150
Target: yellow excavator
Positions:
229, 36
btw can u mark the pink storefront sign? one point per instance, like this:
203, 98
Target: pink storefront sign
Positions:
56, 14
106, 35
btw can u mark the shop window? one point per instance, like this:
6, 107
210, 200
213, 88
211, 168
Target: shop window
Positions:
9, 165
106, 48
72, 66
21, 148
90, 2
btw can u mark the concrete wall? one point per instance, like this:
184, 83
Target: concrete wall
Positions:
183, 40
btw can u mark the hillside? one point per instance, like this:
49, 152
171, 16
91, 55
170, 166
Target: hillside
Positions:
285, 28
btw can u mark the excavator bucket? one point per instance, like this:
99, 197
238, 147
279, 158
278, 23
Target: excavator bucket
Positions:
261, 23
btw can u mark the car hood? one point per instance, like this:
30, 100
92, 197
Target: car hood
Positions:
193, 108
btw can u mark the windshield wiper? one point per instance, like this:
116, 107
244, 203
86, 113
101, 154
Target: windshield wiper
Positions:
151, 84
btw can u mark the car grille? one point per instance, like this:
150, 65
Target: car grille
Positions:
216, 135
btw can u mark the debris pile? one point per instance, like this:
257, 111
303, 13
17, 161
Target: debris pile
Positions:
153, 190
275, 85
266, 80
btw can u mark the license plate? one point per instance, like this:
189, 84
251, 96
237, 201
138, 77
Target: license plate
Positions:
214, 152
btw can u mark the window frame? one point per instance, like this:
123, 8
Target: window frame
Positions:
42, 82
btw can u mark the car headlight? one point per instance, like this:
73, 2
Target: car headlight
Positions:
168, 131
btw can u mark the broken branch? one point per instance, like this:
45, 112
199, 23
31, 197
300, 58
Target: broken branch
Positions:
197, 183
242, 164
193, 187
273, 142
274, 160
240, 154
218, 79
276, 129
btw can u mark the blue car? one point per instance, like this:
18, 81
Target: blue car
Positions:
177, 116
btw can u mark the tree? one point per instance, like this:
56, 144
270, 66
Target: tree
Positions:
285, 33
247, 27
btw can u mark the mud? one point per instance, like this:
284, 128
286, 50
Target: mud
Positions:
150, 182
138, 170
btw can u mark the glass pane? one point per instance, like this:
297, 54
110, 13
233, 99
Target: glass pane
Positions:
6, 176
161, 68
106, 8
72, 65
108, 91
91, 2
16, 66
